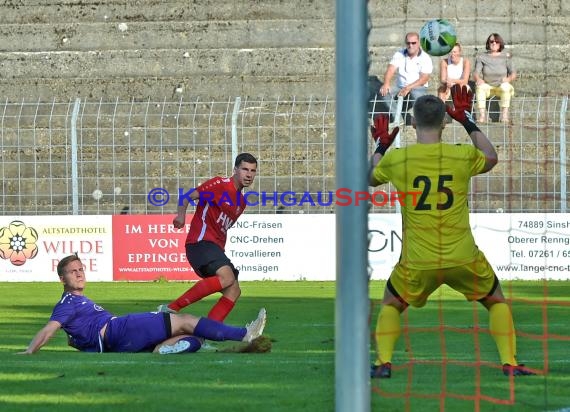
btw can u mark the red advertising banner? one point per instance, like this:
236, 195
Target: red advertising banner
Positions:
148, 247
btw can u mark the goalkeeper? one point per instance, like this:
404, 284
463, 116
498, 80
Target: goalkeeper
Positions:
437, 243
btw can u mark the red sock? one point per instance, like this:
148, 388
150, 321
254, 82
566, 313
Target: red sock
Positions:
221, 309
200, 290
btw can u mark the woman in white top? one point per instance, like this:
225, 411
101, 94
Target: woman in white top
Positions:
453, 70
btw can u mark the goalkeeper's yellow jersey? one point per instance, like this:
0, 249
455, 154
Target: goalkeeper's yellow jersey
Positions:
435, 217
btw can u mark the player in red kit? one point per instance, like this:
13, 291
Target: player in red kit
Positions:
220, 203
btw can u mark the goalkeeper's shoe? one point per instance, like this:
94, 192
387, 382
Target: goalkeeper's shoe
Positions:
165, 308
178, 347
517, 370
255, 329
383, 371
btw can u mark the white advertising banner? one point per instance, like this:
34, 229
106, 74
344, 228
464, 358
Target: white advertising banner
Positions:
528, 246
31, 246
525, 245
384, 243
283, 247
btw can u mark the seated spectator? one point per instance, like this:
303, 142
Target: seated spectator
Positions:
454, 69
412, 68
494, 72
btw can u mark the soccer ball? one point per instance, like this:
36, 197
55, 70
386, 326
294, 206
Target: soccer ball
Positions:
437, 37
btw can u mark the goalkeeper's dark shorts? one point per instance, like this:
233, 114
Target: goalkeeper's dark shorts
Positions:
474, 280
206, 258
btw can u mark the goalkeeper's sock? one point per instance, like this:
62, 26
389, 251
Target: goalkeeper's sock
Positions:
201, 289
388, 331
221, 309
503, 332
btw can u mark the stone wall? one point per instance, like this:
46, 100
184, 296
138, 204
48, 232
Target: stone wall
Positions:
162, 49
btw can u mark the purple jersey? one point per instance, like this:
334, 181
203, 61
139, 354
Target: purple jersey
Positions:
82, 320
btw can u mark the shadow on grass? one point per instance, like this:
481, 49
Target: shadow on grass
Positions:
296, 375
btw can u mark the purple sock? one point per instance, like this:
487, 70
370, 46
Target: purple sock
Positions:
194, 342
214, 330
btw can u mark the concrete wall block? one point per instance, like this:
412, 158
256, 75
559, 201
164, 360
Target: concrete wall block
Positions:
474, 33
66, 11
168, 35
167, 63
220, 87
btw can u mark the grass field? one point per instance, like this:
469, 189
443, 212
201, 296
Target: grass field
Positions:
298, 374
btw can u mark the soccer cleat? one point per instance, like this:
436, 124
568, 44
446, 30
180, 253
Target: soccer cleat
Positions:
255, 329
165, 308
383, 371
178, 347
517, 370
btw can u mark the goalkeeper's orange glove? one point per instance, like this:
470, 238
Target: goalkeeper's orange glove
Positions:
461, 111
380, 134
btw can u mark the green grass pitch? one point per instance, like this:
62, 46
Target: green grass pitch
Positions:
298, 374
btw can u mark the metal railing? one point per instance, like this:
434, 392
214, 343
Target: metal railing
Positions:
104, 157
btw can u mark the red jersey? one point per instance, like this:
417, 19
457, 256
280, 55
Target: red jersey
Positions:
219, 206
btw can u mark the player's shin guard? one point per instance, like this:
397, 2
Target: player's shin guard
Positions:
503, 332
221, 309
201, 289
388, 331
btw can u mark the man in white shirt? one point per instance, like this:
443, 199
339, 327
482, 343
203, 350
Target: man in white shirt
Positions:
412, 68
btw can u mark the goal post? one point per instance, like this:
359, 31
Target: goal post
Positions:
352, 363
